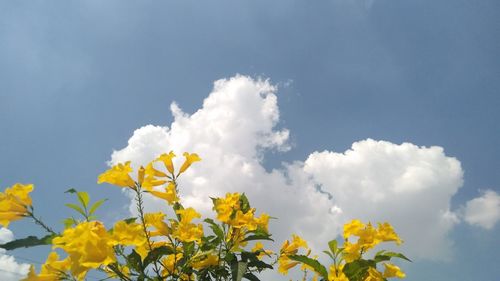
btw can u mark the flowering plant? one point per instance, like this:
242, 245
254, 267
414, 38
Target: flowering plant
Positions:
153, 246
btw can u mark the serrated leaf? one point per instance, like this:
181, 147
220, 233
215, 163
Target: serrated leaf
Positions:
156, 254
318, 267
96, 205
238, 269
76, 208
27, 242
84, 198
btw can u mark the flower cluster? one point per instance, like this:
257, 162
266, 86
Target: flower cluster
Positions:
348, 261
184, 246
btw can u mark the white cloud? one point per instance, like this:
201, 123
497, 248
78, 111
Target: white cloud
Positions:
483, 211
10, 270
409, 186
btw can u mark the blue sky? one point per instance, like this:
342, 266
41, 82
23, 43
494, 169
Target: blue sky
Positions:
77, 78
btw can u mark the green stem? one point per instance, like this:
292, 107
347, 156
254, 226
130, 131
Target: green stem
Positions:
31, 214
140, 209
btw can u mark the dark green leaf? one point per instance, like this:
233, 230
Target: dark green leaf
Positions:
215, 228
238, 269
156, 254
134, 261
357, 269
318, 267
71, 190
250, 276
27, 242
258, 237
244, 204
396, 255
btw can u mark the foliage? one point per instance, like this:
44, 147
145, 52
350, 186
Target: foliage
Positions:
155, 247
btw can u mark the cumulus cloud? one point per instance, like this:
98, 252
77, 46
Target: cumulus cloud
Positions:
483, 211
10, 270
408, 185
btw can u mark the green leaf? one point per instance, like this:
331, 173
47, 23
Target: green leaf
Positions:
71, 190
76, 208
156, 254
333, 246
84, 198
134, 261
68, 222
258, 237
244, 204
215, 228
357, 268
318, 267
130, 220
250, 276
96, 205
238, 269
394, 255
27, 242
329, 254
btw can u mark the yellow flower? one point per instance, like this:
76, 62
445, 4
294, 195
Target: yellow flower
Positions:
130, 234
170, 194
207, 261
88, 245
14, 203
351, 251
53, 269
235, 237
187, 215
157, 221
244, 220
167, 161
259, 247
118, 175
373, 275
150, 179
336, 274
190, 159
186, 231
368, 237
170, 263
385, 232
225, 206
392, 270
353, 228
290, 248
263, 221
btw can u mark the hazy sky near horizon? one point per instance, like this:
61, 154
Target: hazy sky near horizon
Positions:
317, 85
